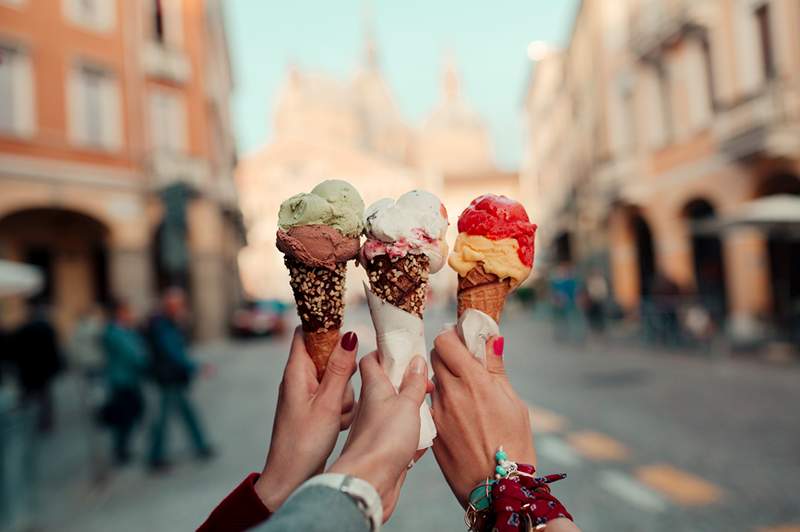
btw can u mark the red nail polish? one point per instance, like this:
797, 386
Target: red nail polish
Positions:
349, 341
498, 345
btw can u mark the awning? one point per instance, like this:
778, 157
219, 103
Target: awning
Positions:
17, 279
779, 214
781, 209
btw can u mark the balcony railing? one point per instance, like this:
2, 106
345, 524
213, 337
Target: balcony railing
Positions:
767, 122
657, 23
164, 62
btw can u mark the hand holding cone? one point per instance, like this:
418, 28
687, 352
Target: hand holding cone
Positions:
405, 244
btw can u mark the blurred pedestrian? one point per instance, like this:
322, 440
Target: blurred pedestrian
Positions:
564, 290
666, 300
87, 359
596, 297
126, 361
31, 360
37, 359
173, 371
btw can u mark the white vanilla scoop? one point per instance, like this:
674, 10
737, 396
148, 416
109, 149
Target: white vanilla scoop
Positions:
415, 223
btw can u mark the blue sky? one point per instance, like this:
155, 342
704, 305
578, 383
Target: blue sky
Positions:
487, 38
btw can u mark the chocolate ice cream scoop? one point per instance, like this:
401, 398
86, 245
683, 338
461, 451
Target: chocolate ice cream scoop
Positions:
320, 246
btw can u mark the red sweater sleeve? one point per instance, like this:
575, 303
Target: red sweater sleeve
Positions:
240, 510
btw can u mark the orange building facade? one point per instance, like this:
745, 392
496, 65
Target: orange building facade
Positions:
654, 133
116, 153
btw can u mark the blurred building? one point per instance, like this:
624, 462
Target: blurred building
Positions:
651, 139
116, 152
327, 128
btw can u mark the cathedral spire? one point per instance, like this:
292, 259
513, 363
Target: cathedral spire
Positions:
451, 84
368, 29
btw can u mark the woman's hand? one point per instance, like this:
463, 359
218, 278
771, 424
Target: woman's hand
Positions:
385, 433
476, 411
308, 418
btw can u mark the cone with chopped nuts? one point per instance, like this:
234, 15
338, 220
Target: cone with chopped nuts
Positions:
318, 234
493, 253
405, 244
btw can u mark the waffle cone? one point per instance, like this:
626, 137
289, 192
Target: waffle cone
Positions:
402, 282
483, 291
319, 296
320, 345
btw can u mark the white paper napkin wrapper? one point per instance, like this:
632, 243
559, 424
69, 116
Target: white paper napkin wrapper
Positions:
474, 328
400, 336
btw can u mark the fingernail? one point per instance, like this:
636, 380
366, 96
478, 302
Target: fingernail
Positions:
498, 345
349, 341
417, 365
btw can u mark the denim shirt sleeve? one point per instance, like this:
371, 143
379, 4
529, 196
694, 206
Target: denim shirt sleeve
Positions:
317, 509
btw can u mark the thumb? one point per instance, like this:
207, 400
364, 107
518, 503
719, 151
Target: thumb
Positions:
494, 356
415, 381
341, 366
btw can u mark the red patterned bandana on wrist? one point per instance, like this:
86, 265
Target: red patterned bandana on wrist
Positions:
521, 502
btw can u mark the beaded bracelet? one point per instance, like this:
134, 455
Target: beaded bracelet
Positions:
514, 500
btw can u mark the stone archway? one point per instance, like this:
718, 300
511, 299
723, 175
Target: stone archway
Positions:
71, 249
707, 258
633, 266
645, 254
783, 253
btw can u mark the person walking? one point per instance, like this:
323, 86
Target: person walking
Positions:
37, 359
126, 360
86, 360
173, 371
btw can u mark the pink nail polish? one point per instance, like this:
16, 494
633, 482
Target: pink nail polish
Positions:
498, 345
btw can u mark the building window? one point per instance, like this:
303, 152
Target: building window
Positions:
168, 126
16, 92
158, 21
97, 15
762, 15
94, 108
708, 66
665, 102
166, 26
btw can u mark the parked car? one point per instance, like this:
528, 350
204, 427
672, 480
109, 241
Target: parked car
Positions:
259, 318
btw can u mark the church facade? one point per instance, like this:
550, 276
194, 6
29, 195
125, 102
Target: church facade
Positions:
328, 128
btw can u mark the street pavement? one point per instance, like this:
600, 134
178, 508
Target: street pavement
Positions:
651, 441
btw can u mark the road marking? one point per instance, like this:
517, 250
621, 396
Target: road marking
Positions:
545, 421
679, 486
597, 446
555, 449
781, 528
632, 491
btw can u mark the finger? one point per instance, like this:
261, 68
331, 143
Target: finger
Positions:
348, 409
415, 380
347, 419
349, 400
373, 378
440, 369
341, 366
454, 354
299, 366
494, 356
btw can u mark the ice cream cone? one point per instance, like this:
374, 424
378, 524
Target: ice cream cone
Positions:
402, 282
482, 291
320, 344
319, 295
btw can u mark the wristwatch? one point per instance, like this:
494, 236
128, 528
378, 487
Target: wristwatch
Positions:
360, 491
